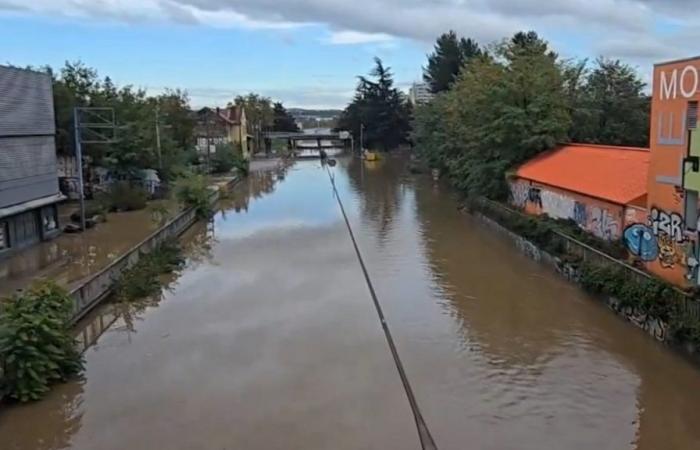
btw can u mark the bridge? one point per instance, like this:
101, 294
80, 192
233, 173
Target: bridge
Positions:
341, 139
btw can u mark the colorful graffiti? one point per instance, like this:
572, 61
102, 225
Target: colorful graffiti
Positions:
640, 241
668, 224
664, 241
603, 224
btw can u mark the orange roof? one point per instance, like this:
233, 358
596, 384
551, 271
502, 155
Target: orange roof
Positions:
616, 174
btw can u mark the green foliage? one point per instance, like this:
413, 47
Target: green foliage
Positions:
649, 296
136, 115
500, 112
380, 108
448, 58
223, 159
142, 280
282, 120
122, 196
193, 191
226, 158
507, 107
36, 345
608, 104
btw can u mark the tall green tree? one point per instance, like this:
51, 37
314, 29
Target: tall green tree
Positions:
500, 112
612, 107
448, 57
260, 115
282, 120
381, 110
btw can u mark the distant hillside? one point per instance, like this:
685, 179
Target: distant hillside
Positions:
301, 113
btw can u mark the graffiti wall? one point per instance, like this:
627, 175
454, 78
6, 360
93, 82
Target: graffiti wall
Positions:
603, 219
662, 244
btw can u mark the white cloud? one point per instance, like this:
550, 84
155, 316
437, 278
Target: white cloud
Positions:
357, 37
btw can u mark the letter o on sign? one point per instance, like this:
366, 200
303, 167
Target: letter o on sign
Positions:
690, 93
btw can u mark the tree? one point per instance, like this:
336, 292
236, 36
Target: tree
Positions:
447, 59
380, 108
500, 112
282, 120
136, 146
259, 113
613, 107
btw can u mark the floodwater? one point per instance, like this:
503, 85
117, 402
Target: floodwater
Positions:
70, 258
268, 338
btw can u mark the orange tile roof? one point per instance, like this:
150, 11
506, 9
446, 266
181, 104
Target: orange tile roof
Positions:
616, 174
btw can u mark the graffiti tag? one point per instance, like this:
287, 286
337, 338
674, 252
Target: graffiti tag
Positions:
669, 224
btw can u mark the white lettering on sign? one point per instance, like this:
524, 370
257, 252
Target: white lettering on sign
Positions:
694, 85
688, 80
668, 88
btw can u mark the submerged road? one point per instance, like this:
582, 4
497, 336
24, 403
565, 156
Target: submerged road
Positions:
269, 339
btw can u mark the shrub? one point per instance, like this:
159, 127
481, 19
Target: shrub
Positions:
141, 280
36, 345
193, 192
224, 159
122, 196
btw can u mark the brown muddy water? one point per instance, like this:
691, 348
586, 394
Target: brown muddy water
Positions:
268, 339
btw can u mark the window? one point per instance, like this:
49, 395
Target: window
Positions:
4, 239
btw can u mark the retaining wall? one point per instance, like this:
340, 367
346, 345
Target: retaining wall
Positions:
652, 325
96, 288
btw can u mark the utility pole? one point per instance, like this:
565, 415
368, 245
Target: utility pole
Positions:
79, 163
362, 137
98, 128
160, 155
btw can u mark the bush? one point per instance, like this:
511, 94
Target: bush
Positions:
36, 345
141, 280
193, 192
224, 159
122, 196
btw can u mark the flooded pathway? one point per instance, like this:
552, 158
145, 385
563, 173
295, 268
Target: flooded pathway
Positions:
268, 339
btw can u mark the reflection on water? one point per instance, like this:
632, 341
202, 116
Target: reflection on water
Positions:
267, 338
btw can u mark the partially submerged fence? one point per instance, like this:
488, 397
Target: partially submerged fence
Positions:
584, 252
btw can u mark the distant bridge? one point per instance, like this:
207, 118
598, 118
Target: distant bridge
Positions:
323, 140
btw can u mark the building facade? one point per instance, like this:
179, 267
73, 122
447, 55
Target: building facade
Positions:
420, 93
222, 126
29, 190
671, 225
600, 188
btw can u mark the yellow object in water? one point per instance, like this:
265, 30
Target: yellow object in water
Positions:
371, 156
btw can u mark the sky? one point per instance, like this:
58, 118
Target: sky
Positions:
308, 53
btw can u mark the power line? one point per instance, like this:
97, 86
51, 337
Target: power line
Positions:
426, 439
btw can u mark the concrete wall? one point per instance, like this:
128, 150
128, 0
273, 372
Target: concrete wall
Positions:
654, 326
99, 286
603, 219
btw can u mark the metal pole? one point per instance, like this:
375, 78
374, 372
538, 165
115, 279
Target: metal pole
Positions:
160, 156
79, 161
362, 138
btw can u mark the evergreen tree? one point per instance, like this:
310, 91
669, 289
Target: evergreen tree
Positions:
282, 120
447, 59
380, 108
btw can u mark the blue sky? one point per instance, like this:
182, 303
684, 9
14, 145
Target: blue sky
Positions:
308, 52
